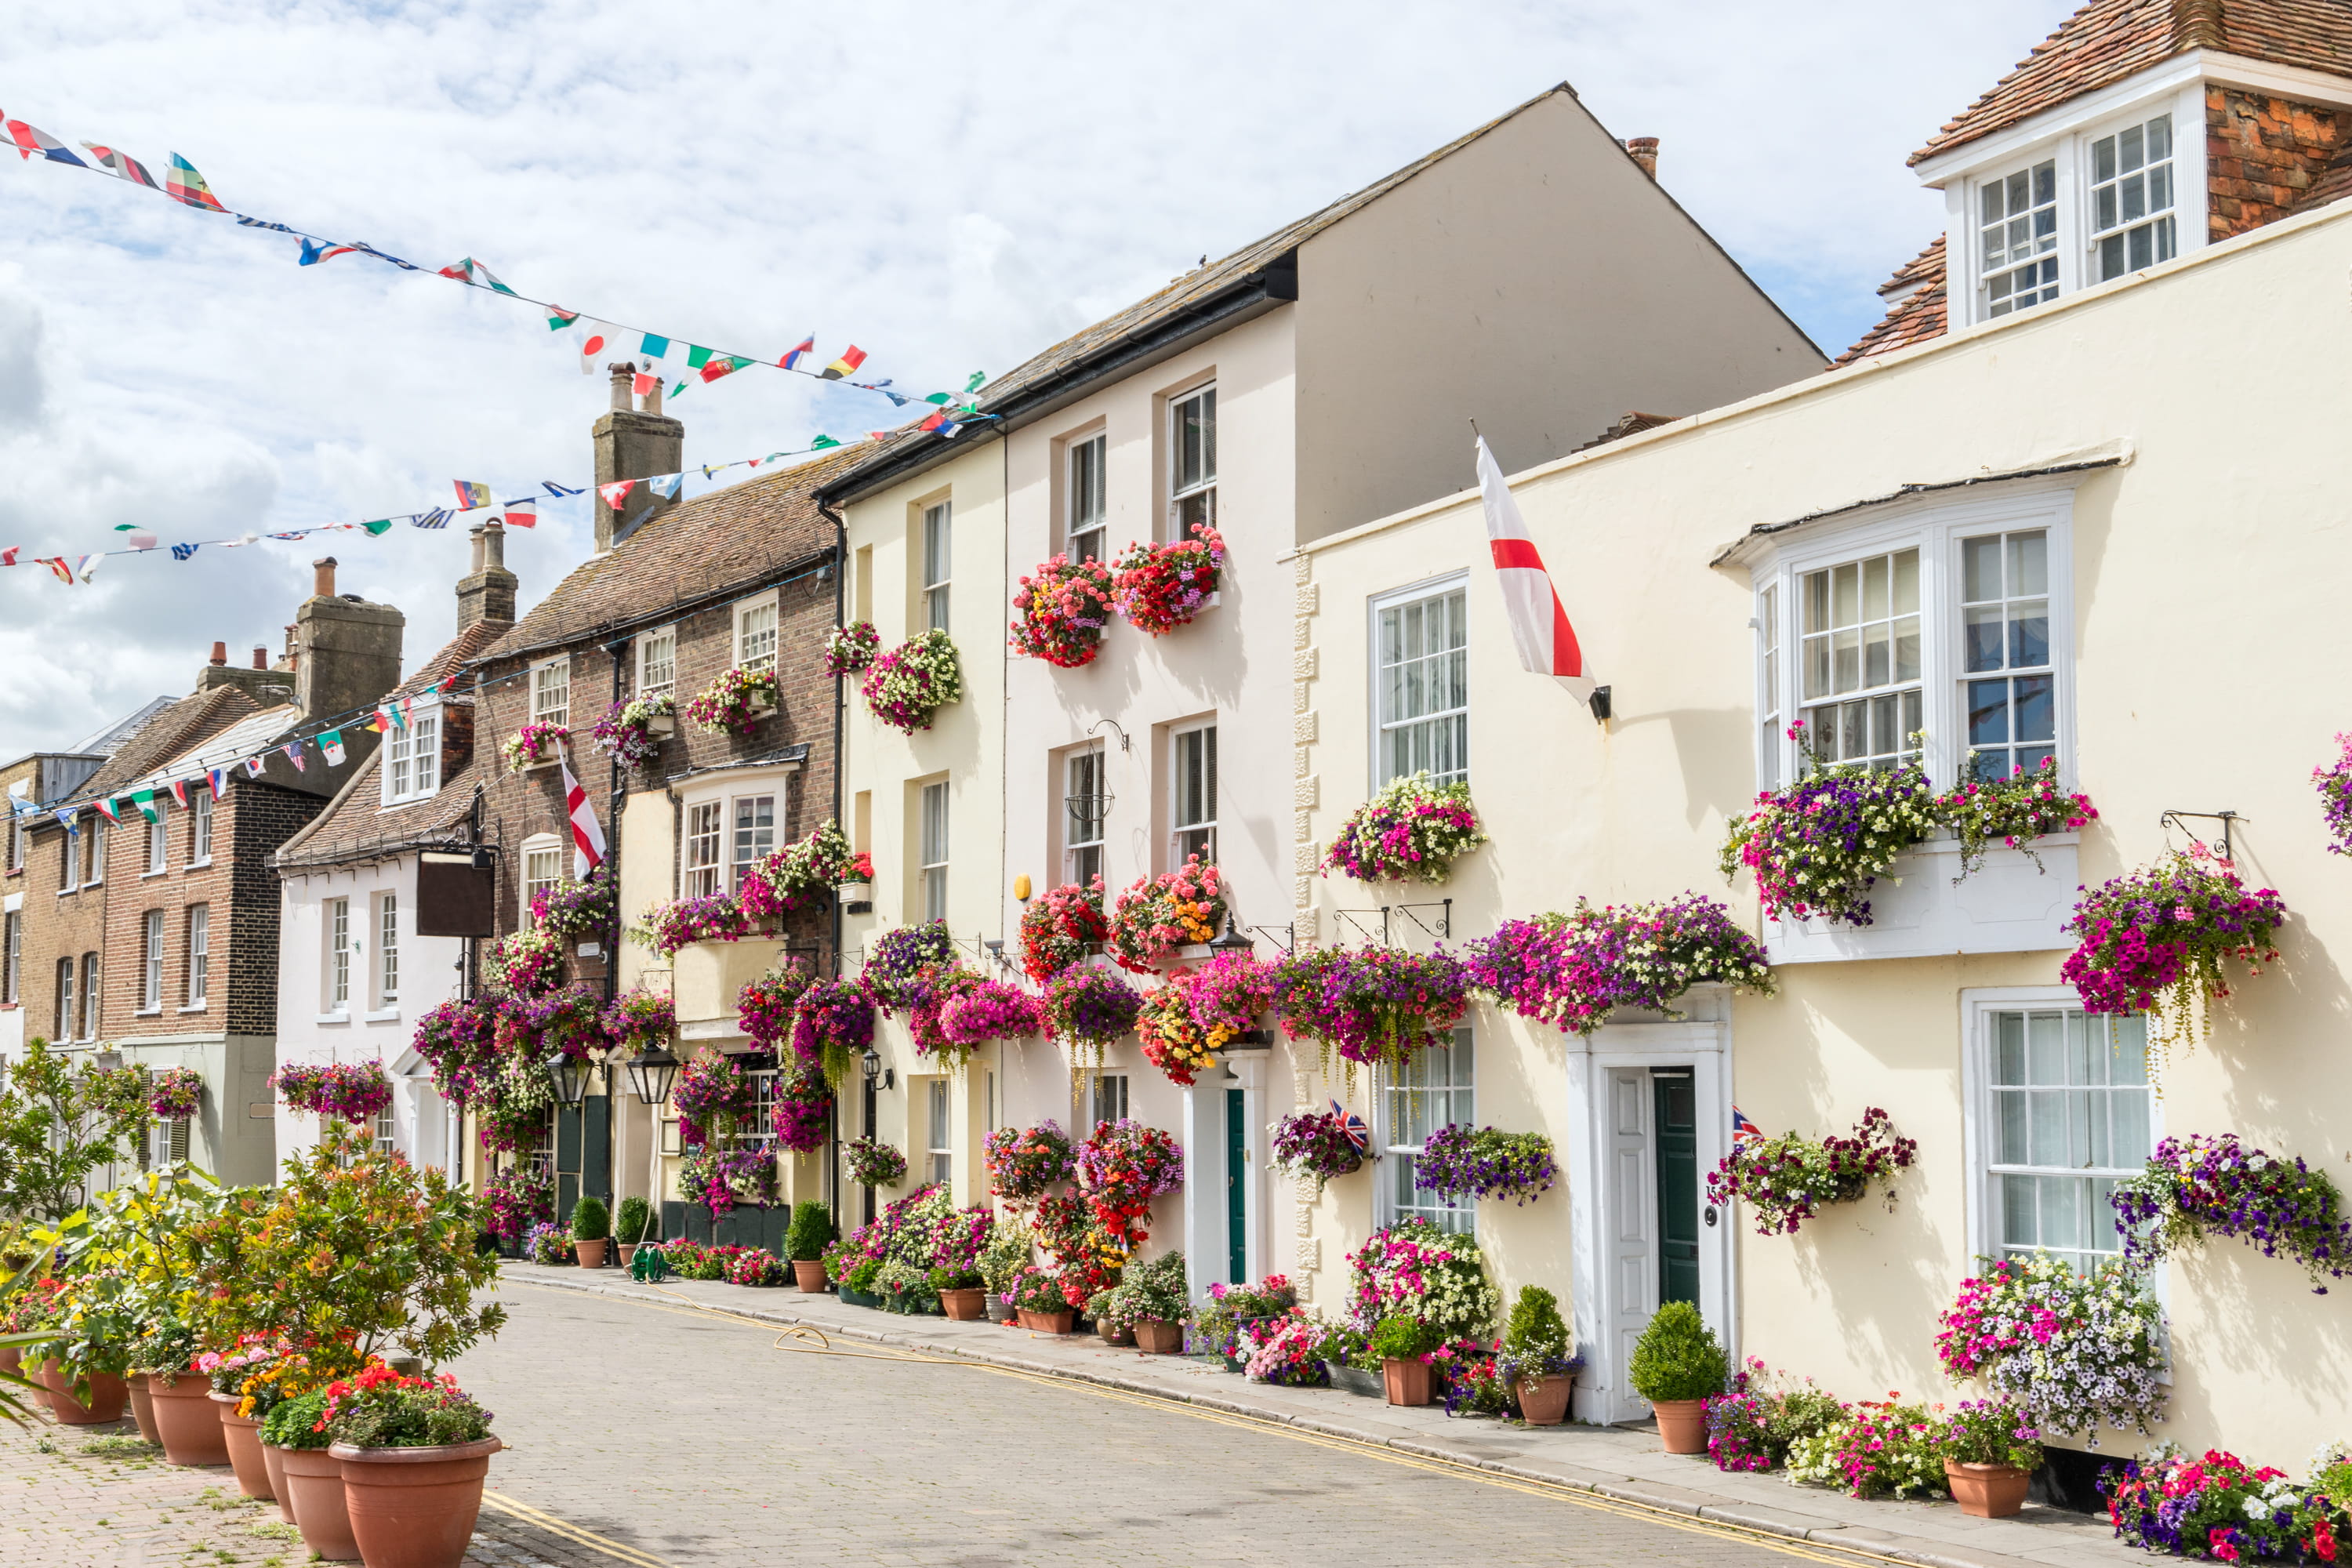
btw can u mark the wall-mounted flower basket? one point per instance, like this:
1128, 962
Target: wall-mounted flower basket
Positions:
850, 648
1459, 1162
1413, 831
2203, 1186
1573, 970
1158, 916
713, 917
355, 1091
1060, 927
906, 686
2154, 940
1160, 587
534, 746
1318, 1145
632, 732
1059, 613
1787, 1180
735, 703
1370, 1005
175, 1094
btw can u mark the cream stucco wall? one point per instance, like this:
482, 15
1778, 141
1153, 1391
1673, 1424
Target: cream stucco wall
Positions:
2205, 569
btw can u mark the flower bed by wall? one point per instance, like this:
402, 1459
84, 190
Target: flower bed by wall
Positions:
1060, 927
1412, 1268
1059, 613
2075, 1351
734, 702
2206, 1186
1412, 830
2216, 1505
906, 686
1572, 970
1786, 1180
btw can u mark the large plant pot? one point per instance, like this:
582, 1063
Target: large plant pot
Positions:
808, 1273
1682, 1425
1543, 1401
964, 1306
1155, 1336
858, 1298
1405, 1381
185, 1422
1117, 1336
315, 1477
628, 1251
1356, 1380
107, 1396
244, 1436
414, 1507
143, 1408
1048, 1322
1987, 1491
591, 1254
999, 1310
273, 1460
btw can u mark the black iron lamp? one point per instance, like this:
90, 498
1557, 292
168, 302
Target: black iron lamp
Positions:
877, 1075
568, 1076
1232, 940
650, 1075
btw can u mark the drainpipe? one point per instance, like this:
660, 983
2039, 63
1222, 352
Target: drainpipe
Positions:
617, 786
840, 723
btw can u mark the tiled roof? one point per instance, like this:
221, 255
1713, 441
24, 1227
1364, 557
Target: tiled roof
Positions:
187, 722
701, 549
2108, 40
454, 655
357, 825
1916, 311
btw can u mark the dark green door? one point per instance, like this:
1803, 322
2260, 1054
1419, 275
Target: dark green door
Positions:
1677, 1156
1236, 1190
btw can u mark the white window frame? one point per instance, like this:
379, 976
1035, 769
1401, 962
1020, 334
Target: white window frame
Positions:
1205, 826
69, 850
2093, 235
199, 919
159, 844
1075, 865
412, 755
1980, 1123
200, 826
94, 852
1110, 1099
542, 866
935, 546
551, 691
335, 917
150, 958
1085, 533
939, 1123
934, 830
93, 998
717, 795
758, 630
387, 949
11, 955
758, 1128
749, 842
656, 661
702, 864
1457, 1217
1201, 489
1375, 695
16, 837
68, 967
1937, 531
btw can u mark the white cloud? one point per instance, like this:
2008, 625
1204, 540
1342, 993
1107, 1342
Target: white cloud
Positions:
952, 188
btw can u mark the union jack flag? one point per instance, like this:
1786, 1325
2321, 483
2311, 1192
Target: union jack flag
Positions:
1742, 1130
1352, 1128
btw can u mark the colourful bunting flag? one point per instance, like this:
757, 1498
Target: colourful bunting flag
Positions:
446, 684
471, 497
144, 799
218, 779
181, 551
644, 384
665, 485
185, 186
253, 766
179, 792
377, 529
719, 368
437, 518
593, 342
556, 489
653, 345
86, 567
106, 808
616, 492
558, 318
331, 745
294, 751
57, 564
822, 443
979, 379
806, 347
30, 141
122, 164
72, 821
697, 356
378, 722
850, 358
140, 538
524, 514
8, 556
934, 422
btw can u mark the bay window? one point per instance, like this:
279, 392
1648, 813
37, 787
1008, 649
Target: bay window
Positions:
1859, 650
702, 834
754, 835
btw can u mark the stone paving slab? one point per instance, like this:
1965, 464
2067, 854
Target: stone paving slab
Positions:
1619, 1462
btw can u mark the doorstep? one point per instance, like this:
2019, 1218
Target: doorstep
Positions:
1622, 1462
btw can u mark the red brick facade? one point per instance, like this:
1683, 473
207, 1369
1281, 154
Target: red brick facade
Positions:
2262, 155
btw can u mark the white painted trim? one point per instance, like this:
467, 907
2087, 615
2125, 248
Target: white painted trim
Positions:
530, 712
638, 669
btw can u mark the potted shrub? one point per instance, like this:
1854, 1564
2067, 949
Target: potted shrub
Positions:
805, 1239
548, 1244
1402, 1346
1042, 1306
1151, 1297
1002, 1259
415, 1452
1537, 1360
297, 1433
1109, 1313
634, 1226
962, 1293
592, 1230
1678, 1365
185, 1424
1989, 1453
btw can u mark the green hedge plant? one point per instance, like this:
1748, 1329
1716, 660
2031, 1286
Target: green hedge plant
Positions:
1678, 1357
633, 1224
810, 1232
590, 1220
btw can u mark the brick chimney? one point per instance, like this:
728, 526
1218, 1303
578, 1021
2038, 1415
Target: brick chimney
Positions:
347, 652
633, 443
487, 593
1644, 150
268, 688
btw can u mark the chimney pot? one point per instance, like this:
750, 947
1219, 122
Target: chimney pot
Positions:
494, 546
625, 377
260, 658
323, 584
1644, 150
220, 653
474, 536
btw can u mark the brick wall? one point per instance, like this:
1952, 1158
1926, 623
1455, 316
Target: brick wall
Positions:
2261, 153
520, 805
57, 926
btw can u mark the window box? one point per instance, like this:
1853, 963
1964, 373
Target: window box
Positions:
661, 725
2007, 906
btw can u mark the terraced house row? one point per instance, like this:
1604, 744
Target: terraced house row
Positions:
2062, 516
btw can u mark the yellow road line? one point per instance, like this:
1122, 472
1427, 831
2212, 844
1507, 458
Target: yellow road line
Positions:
1624, 1508
570, 1532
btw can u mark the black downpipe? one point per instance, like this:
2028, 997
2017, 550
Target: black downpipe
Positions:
840, 731
616, 784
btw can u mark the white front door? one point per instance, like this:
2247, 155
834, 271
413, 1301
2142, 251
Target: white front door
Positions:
1634, 1221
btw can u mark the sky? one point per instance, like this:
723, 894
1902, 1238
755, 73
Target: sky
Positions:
952, 188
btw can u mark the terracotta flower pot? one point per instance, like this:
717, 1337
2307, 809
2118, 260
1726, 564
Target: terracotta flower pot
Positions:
107, 1396
142, 1409
1405, 1381
185, 1422
1987, 1491
1543, 1401
1048, 1322
414, 1507
1153, 1337
591, 1254
808, 1273
1682, 1425
273, 1460
628, 1251
244, 1435
964, 1306
315, 1477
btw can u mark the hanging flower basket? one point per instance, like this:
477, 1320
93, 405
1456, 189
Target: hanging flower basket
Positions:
1025, 1163
1159, 587
895, 965
355, 1091
763, 1009
1059, 615
803, 1106
175, 1094
1172, 1041
510, 1110
2153, 940
850, 648
735, 703
1787, 1180
1370, 1005
517, 1198
569, 1023
831, 1026
1817, 847
710, 1095
711, 917
933, 989
800, 876
1228, 994
535, 745
1122, 1166
1317, 1145
1457, 1161
988, 1010
1061, 927
1413, 831
1086, 1008
458, 1040
526, 960
1158, 915
1571, 971
721, 1178
631, 731
571, 911
905, 687
2199, 1186
638, 1020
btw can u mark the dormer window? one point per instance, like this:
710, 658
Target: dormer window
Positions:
2018, 225
2132, 189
